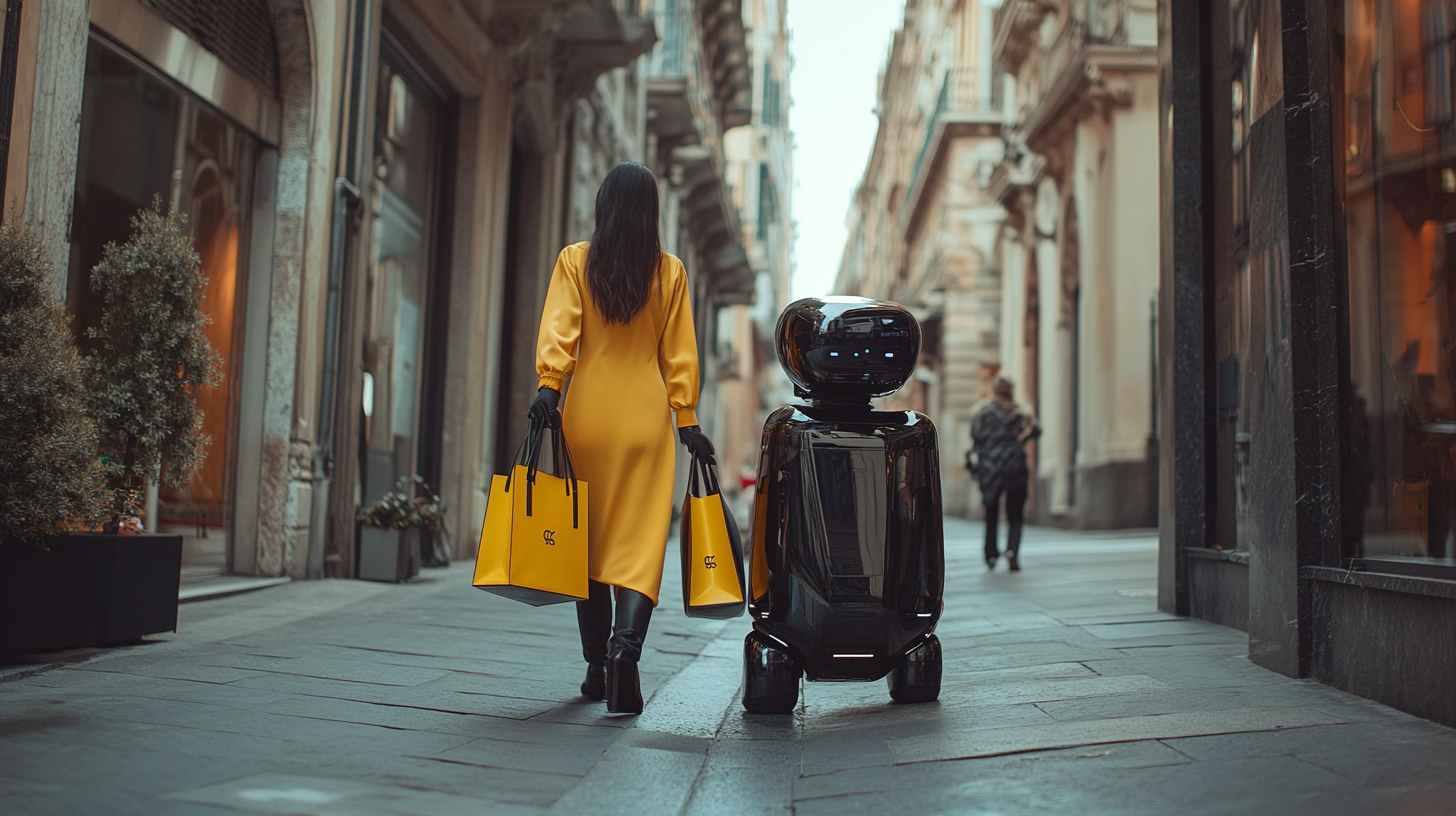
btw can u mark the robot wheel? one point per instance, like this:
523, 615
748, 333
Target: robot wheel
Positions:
770, 676
917, 678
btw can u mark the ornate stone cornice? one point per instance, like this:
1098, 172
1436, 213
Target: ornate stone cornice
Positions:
1015, 35
1096, 79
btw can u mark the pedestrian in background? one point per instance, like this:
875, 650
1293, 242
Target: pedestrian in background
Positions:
618, 320
999, 433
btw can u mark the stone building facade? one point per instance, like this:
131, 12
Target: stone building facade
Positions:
1079, 249
760, 173
923, 227
1006, 201
378, 190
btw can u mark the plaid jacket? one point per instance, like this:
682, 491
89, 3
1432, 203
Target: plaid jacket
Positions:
999, 433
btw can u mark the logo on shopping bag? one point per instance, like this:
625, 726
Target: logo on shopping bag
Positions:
708, 562
550, 536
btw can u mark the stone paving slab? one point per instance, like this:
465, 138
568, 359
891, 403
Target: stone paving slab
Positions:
432, 697
291, 794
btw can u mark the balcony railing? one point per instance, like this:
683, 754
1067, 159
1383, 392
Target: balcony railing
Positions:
958, 94
676, 53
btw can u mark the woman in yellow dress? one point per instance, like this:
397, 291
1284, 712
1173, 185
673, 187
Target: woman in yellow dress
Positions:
618, 321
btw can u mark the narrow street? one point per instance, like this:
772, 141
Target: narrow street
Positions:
1065, 691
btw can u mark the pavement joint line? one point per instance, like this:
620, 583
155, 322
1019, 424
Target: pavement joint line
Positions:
990, 742
383, 704
157, 676
321, 718
493, 767
26, 674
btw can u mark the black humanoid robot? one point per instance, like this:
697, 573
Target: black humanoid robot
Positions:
847, 563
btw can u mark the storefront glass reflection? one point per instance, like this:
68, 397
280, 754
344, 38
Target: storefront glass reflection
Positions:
404, 188
1399, 143
1248, 257
132, 124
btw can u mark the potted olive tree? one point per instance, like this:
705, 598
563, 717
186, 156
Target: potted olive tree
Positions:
51, 483
150, 354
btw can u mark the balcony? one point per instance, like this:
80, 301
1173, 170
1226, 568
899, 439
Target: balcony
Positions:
690, 102
960, 112
680, 105
565, 45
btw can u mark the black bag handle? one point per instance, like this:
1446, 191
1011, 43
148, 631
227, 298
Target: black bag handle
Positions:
563, 453
523, 452
709, 485
535, 436
562, 456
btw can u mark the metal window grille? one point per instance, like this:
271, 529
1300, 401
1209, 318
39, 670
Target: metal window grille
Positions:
239, 32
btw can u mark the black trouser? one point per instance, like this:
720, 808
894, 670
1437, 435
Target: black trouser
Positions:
1015, 492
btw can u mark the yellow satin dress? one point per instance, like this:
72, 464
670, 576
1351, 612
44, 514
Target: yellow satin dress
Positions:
626, 380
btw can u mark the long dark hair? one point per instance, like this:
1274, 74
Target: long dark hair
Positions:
621, 263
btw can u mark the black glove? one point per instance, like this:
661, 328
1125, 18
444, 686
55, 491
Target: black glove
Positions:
697, 442
544, 405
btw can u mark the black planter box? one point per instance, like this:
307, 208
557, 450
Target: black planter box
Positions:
87, 589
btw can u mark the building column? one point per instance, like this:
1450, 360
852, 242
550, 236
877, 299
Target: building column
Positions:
283, 502
1184, 293
55, 127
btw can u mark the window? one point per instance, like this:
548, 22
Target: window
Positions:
132, 121
772, 103
768, 213
1400, 202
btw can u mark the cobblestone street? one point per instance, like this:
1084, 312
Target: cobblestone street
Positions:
1065, 691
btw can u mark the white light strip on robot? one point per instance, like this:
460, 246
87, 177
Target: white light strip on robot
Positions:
923, 614
868, 655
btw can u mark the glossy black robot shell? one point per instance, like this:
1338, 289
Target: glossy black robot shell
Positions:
847, 564
847, 348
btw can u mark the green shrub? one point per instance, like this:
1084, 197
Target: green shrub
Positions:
152, 352
50, 480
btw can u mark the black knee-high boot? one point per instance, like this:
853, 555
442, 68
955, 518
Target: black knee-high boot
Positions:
624, 691
594, 619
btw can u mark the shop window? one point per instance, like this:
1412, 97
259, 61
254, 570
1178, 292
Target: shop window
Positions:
1399, 139
133, 122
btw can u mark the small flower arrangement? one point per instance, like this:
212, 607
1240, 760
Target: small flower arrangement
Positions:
410, 504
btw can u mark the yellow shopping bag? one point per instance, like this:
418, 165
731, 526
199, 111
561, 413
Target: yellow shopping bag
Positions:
533, 544
712, 553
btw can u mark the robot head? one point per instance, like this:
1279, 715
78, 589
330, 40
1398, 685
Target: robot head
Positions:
847, 348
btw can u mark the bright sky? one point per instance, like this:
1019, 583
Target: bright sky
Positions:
838, 48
